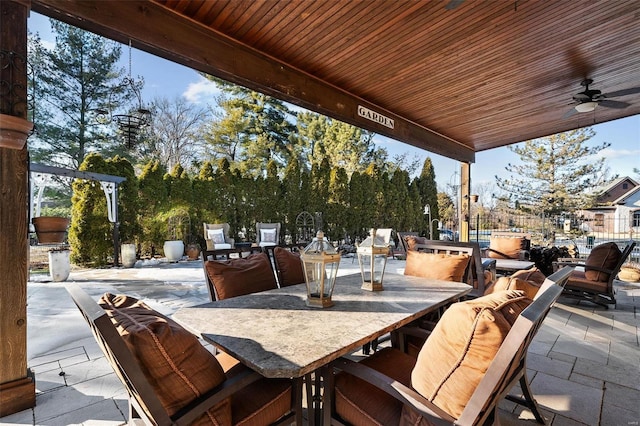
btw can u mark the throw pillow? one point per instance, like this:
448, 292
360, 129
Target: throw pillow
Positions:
268, 235
505, 247
461, 347
436, 266
605, 256
174, 362
216, 235
412, 240
235, 277
534, 275
290, 266
529, 287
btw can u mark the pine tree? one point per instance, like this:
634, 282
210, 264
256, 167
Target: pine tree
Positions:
72, 81
428, 195
555, 171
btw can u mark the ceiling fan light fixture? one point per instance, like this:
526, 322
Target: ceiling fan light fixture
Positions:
586, 106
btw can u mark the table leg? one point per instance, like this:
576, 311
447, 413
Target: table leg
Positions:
327, 395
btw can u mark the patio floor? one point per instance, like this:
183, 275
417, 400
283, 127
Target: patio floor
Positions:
584, 364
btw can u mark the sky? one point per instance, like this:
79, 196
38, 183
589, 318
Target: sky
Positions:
170, 80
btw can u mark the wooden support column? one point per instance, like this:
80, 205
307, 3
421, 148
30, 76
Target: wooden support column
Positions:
17, 385
465, 205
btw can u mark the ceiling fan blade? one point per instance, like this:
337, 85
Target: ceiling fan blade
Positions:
453, 4
613, 104
623, 92
569, 113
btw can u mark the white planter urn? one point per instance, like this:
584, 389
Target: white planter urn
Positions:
59, 265
173, 250
128, 255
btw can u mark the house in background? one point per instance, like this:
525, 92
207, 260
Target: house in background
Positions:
617, 208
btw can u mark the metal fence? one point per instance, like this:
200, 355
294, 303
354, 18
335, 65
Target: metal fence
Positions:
546, 231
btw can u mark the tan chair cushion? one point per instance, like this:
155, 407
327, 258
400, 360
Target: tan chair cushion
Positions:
464, 342
235, 277
412, 240
605, 256
534, 275
177, 366
530, 288
289, 265
509, 246
436, 266
360, 403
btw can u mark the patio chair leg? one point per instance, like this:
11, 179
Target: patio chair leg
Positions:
527, 400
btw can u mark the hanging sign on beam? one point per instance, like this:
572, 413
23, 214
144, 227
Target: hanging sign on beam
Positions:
374, 116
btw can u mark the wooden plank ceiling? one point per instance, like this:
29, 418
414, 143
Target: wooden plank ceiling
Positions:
454, 81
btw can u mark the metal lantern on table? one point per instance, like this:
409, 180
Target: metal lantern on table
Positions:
320, 263
372, 257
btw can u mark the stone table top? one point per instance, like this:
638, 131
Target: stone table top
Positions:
277, 335
512, 265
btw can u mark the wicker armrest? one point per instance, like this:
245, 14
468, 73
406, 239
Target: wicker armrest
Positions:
397, 390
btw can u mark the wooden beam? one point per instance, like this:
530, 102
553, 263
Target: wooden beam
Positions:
464, 200
17, 388
162, 32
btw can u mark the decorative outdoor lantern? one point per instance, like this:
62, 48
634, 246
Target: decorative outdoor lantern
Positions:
320, 263
372, 257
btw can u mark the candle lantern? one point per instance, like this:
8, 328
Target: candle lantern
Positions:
320, 261
372, 257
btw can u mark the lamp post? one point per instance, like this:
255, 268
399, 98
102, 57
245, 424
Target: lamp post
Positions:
372, 257
320, 262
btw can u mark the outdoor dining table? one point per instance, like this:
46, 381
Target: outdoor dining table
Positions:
508, 266
276, 334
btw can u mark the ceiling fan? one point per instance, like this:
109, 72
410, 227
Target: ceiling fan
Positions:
589, 99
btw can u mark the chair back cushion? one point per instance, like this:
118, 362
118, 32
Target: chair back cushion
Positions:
176, 365
534, 275
437, 266
605, 256
289, 266
506, 247
235, 277
216, 235
463, 343
530, 288
412, 240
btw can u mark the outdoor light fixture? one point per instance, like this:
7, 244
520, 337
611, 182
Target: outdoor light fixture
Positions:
320, 263
586, 106
372, 257
131, 123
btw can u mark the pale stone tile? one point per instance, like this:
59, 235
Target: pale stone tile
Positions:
88, 370
614, 415
587, 381
623, 397
57, 355
577, 332
550, 366
53, 404
102, 413
627, 375
569, 399
49, 380
559, 420
546, 334
591, 320
595, 351
562, 357
623, 354
540, 348
600, 335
